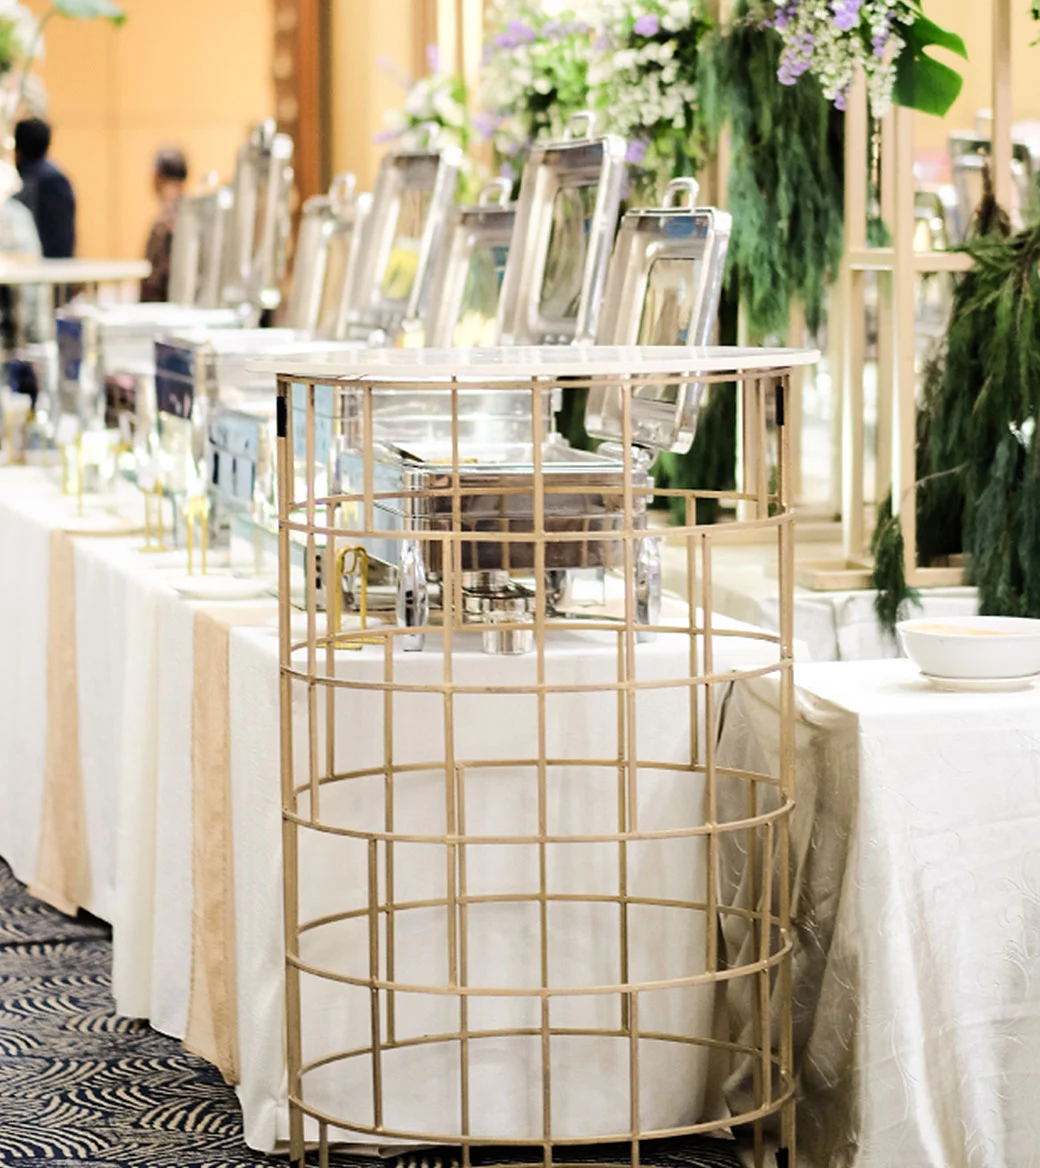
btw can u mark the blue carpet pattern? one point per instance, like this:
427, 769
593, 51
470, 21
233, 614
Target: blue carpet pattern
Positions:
80, 1085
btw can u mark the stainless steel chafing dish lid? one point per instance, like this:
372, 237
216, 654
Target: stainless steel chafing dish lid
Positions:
200, 253
666, 273
570, 195
467, 279
325, 268
413, 194
260, 225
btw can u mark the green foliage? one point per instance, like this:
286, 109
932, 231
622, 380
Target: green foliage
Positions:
923, 83
978, 451
786, 183
889, 579
10, 45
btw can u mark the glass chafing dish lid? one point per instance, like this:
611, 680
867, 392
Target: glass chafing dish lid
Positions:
326, 263
664, 287
260, 234
410, 203
201, 243
467, 280
570, 195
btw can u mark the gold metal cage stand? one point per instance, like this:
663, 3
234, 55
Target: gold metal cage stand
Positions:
506, 920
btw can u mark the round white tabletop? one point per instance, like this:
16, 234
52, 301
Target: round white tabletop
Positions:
522, 361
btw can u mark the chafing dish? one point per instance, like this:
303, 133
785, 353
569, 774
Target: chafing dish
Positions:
260, 222
467, 280
326, 264
98, 344
200, 252
570, 195
410, 203
496, 478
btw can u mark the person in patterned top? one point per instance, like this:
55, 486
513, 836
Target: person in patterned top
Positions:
171, 174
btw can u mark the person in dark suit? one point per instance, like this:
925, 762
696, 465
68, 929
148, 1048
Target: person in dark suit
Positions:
45, 190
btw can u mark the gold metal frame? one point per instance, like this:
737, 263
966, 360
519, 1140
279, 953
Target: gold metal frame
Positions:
313, 670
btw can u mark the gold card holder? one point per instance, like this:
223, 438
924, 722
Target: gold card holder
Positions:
72, 470
154, 533
196, 511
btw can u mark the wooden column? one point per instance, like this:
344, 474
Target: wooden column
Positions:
301, 78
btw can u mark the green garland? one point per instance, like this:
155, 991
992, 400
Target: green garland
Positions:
786, 182
978, 460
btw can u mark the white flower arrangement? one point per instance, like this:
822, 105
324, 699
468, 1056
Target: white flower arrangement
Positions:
832, 38
437, 99
534, 76
643, 81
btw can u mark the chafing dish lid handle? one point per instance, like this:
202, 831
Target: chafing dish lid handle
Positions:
581, 124
689, 187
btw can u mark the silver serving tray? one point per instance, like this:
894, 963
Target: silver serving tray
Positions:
467, 280
413, 194
570, 196
325, 269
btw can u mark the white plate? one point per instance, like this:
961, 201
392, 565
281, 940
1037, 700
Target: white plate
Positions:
982, 684
219, 587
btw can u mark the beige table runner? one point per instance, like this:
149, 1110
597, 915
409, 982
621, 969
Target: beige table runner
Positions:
63, 863
212, 1030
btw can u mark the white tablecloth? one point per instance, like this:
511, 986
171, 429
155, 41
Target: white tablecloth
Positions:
834, 626
423, 1092
135, 677
917, 868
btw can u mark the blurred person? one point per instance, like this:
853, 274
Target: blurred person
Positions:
45, 190
170, 176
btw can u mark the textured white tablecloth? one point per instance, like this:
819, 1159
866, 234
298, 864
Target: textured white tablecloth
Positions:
834, 626
917, 869
424, 1092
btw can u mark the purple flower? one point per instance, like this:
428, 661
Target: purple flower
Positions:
523, 33
507, 171
602, 43
551, 30
505, 40
485, 123
433, 58
846, 13
647, 25
840, 100
636, 151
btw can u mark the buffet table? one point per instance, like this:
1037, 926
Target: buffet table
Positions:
916, 840
175, 820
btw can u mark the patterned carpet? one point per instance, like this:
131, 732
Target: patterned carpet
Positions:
80, 1085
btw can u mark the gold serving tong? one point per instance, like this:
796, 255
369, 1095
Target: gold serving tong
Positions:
348, 561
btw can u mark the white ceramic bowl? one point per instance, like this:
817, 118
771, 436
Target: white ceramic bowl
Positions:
973, 647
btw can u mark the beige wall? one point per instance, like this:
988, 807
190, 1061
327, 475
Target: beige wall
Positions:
364, 31
972, 19
195, 73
